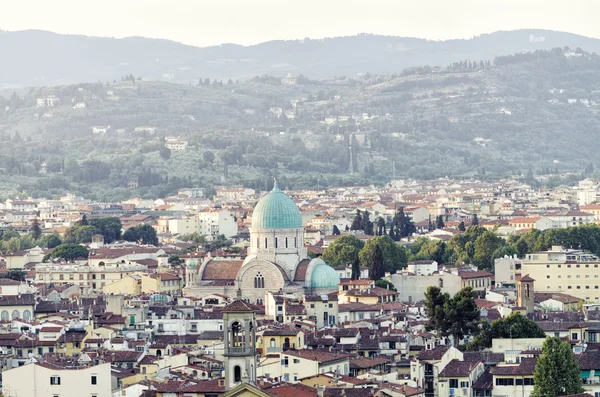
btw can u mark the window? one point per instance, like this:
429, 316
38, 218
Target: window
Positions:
94, 380
276, 243
464, 385
103, 276
548, 276
296, 361
528, 382
285, 362
259, 281
505, 382
286, 242
519, 382
55, 380
331, 305
574, 335
453, 383
266, 243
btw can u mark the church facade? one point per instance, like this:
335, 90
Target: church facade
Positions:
277, 259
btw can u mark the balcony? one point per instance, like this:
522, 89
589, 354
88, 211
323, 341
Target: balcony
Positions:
274, 349
239, 351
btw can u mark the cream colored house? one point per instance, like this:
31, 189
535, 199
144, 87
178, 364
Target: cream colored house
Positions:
43, 380
291, 366
457, 378
572, 272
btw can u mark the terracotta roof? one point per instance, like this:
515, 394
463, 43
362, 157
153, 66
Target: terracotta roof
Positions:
317, 355
301, 270
485, 382
589, 360
239, 305
526, 367
21, 300
433, 354
457, 368
475, 274
221, 269
526, 278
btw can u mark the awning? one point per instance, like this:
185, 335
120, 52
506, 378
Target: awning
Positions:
585, 374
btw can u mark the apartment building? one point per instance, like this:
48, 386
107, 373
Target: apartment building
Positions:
573, 272
43, 379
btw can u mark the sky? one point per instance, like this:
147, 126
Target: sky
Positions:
213, 22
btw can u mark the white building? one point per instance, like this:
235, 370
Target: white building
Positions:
423, 268
214, 222
44, 380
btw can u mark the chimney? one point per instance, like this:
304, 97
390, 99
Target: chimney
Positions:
320, 391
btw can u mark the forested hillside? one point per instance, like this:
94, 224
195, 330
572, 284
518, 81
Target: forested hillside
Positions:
43, 58
524, 114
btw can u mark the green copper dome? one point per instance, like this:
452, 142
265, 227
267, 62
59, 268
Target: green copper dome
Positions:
324, 276
276, 210
192, 263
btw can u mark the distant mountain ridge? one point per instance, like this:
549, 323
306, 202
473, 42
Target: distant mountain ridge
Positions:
34, 58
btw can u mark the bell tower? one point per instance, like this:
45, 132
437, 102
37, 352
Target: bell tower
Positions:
239, 357
525, 293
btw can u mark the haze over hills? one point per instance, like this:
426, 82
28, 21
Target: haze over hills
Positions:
524, 115
35, 58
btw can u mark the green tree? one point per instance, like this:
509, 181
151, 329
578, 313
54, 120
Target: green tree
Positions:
335, 230
556, 371
50, 241
381, 230
385, 284
357, 222
394, 256
475, 220
83, 221
439, 223
454, 316
485, 246
15, 274
461, 226
195, 237
515, 325
377, 268
109, 227
83, 234
462, 314
35, 231
144, 234
208, 156
435, 303
165, 152
355, 269
174, 260
343, 251
69, 251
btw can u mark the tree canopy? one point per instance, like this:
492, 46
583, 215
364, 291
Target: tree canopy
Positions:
144, 234
556, 371
455, 316
515, 325
343, 251
68, 251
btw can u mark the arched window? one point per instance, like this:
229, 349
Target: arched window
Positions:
4, 315
26, 315
272, 342
158, 353
15, 314
286, 343
259, 281
237, 374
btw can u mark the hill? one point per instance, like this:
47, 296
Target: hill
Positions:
523, 114
43, 58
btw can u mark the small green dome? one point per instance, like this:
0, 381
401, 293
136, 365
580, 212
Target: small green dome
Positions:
192, 263
276, 210
324, 276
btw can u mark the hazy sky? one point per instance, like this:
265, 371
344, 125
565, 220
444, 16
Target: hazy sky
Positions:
209, 22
